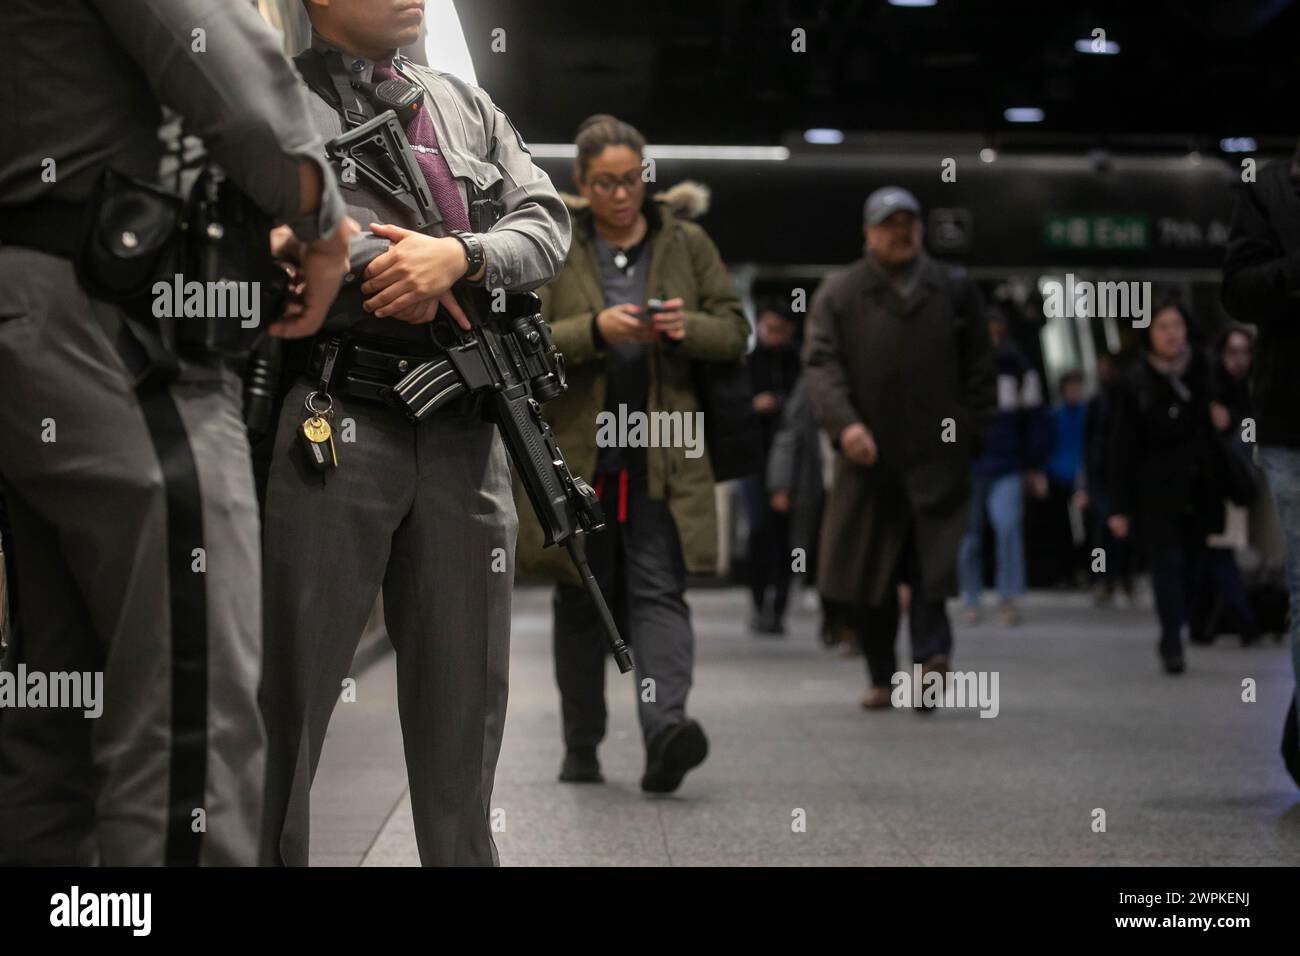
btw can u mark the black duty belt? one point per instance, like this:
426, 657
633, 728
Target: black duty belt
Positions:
368, 368
49, 225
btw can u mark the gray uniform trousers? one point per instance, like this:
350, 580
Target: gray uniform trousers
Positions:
426, 513
107, 519
639, 565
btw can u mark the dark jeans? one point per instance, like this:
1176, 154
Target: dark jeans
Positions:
877, 625
769, 548
1176, 572
639, 565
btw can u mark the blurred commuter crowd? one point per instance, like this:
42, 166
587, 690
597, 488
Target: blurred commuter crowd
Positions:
917, 452
912, 447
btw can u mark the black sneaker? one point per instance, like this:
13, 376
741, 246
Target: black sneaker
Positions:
581, 766
1173, 663
1291, 744
672, 752
768, 624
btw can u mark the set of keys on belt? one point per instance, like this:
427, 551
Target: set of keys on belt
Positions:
318, 435
317, 432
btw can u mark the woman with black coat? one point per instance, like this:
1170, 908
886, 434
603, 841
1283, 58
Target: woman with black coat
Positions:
1162, 471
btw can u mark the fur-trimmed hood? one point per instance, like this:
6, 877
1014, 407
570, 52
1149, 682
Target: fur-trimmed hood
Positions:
687, 200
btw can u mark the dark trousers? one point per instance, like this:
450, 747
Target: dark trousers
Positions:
877, 625
769, 548
1118, 563
1176, 568
1223, 592
426, 514
638, 563
1063, 556
135, 557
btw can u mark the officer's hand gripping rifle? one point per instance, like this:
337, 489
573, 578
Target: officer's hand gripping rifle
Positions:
510, 359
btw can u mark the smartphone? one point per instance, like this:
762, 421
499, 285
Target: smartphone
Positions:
653, 308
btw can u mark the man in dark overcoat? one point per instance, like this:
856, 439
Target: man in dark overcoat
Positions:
900, 372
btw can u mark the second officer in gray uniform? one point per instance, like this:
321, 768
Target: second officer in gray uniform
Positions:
130, 493
424, 512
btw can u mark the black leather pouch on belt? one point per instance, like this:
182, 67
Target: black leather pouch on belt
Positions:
130, 240
372, 372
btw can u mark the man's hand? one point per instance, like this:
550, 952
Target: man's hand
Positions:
321, 266
672, 321
426, 310
285, 245
858, 445
1118, 525
767, 403
779, 501
1036, 482
1220, 417
414, 269
622, 323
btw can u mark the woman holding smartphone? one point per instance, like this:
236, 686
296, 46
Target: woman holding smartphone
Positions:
642, 296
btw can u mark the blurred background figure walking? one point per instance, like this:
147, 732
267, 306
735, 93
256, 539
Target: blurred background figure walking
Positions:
1116, 571
1066, 498
1161, 479
1222, 589
774, 369
1016, 445
796, 481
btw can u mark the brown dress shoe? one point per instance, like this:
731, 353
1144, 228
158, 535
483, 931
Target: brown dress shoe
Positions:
877, 698
937, 663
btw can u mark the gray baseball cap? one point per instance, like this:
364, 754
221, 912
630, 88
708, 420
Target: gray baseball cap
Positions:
888, 200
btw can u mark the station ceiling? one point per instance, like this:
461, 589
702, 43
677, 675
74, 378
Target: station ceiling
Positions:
724, 71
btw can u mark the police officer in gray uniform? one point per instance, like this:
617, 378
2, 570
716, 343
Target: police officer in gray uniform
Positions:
425, 511
135, 527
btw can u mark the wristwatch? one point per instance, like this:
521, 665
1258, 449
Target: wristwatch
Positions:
473, 251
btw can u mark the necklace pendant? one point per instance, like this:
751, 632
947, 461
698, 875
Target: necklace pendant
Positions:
620, 259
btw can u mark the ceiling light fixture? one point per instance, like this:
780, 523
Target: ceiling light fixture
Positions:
1090, 46
823, 137
1023, 114
770, 154
1238, 144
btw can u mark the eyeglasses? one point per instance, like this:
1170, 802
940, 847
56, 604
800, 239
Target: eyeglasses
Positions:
608, 185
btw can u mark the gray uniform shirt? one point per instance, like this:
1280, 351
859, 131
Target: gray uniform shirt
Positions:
82, 81
529, 244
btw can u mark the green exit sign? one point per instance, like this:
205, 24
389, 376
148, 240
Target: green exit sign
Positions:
1090, 231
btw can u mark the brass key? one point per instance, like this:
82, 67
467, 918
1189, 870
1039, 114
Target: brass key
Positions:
318, 436
319, 439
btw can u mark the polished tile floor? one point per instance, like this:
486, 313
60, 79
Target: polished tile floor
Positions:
1185, 771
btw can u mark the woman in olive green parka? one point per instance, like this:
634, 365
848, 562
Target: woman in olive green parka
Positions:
628, 250
684, 263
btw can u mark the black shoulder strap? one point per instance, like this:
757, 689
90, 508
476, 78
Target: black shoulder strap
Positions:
327, 77
311, 67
